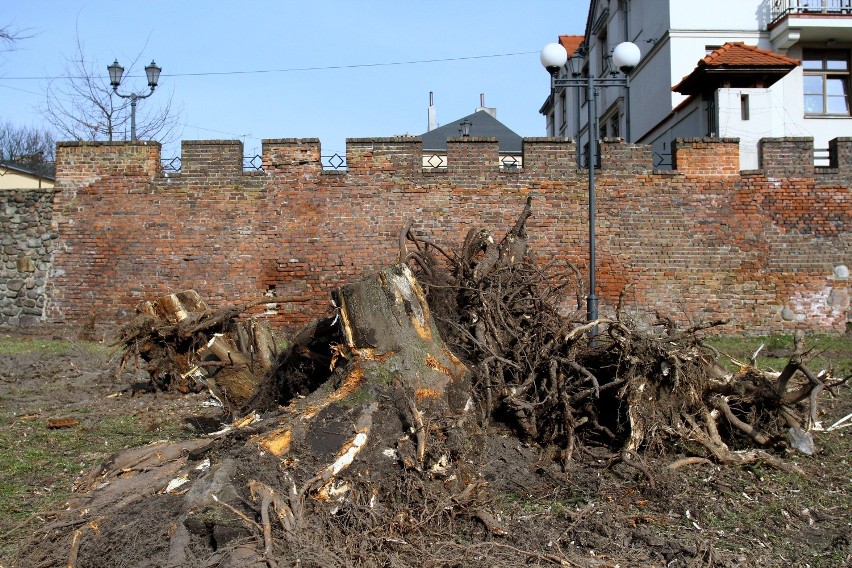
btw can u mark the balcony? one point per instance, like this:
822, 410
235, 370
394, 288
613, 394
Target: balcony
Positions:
794, 21
781, 8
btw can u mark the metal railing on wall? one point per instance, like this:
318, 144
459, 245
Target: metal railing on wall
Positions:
173, 165
435, 162
781, 8
438, 162
337, 162
662, 161
253, 163
170, 165
333, 162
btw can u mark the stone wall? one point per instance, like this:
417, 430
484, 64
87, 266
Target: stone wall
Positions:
26, 249
766, 248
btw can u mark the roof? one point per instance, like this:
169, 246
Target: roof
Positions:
736, 64
482, 124
571, 43
45, 173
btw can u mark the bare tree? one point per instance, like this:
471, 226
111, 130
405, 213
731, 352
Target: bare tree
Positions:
9, 37
26, 146
82, 105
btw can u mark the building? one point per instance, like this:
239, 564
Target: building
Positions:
744, 69
14, 176
482, 123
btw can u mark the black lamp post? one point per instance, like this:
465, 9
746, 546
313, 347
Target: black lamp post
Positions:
625, 56
465, 128
115, 73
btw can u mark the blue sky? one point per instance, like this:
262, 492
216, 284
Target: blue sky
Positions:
237, 69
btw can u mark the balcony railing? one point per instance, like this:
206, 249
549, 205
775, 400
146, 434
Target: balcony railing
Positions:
781, 8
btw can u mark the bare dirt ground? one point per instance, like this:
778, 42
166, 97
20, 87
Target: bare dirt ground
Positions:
593, 514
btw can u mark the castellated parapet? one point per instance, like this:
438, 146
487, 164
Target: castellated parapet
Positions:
702, 241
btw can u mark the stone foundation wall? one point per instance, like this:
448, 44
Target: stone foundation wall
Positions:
27, 243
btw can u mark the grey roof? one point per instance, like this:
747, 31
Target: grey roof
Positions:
46, 170
482, 125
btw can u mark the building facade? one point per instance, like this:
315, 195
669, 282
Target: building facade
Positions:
15, 176
678, 42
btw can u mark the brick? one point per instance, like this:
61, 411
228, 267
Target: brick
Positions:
704, 240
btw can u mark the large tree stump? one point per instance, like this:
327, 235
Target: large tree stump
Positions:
385, 319
392, 404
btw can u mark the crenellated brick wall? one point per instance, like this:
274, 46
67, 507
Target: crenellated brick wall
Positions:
766, 248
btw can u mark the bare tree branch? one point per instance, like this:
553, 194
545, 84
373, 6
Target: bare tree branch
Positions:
9, 37
83, 106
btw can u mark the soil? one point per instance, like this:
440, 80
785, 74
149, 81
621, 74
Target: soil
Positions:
594, 513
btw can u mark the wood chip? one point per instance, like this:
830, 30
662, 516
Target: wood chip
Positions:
57, 423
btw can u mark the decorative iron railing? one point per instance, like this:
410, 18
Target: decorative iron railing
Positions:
662, 161
435, 162
337, 162
781, 8
253, 163
170, 165
173, 165
438, 162
333, 162
510, 163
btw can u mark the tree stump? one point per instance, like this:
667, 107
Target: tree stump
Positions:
392, 403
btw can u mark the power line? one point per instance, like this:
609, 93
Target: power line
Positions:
300, 69
21, 90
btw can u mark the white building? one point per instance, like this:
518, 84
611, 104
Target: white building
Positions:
744, 69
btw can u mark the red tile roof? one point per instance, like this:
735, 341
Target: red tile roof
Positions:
571, 43
736, 62
737, 53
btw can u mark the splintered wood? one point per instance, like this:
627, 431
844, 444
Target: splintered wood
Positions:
186, 346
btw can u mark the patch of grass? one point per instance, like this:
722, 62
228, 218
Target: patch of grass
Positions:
13, 345
38, 465
826, 351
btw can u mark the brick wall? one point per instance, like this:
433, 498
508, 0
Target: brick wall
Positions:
26, 248
766, 248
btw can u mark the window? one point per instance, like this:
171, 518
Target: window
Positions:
563, 112
744, 107
710, 114
826, 81
615, 126
603, 48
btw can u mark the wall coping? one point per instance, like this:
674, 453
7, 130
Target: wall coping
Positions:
115, 143
777, 154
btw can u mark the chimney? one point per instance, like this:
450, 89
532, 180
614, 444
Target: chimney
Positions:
433, 114
490, 110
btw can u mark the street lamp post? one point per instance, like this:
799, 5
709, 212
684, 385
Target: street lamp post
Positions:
625, 56
115, 73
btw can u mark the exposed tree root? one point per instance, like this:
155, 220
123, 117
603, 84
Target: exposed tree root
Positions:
372, 431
